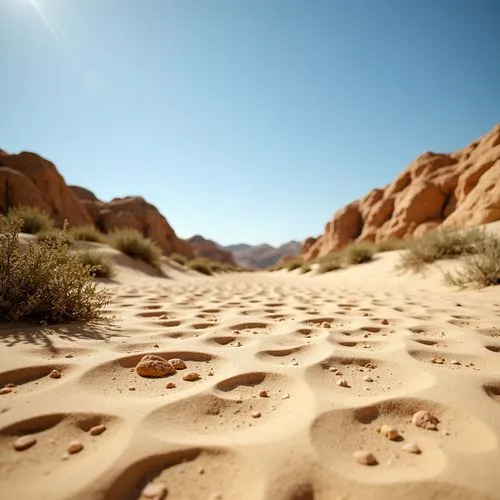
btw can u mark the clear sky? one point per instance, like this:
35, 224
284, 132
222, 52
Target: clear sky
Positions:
245, 120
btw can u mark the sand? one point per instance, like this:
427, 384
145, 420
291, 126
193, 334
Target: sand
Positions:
267, 418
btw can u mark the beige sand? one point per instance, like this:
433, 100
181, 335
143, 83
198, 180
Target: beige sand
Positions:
291, 335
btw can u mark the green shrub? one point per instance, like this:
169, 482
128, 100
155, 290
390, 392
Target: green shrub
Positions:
100, 265
132, 243
440, 244
87, 233
45, 282
357, 253
481, 269
201, 265
180, 259
33, 219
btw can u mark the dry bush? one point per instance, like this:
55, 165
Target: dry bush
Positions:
389, 245
305, 268
201, 265
100, 265
132, 243
330, 262
440, 244
180, 259
293, 264
33, 219
481, 269
46, 235
87, 233
357, 253
45, 283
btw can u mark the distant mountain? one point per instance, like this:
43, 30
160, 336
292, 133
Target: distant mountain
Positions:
210, 250
261, 256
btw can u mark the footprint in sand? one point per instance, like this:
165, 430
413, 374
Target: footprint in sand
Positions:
292, 356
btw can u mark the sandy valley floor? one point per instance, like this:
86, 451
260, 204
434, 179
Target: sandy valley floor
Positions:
400, 343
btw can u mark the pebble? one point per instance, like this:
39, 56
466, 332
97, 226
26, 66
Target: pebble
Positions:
74, 447
191, 376
170, 385
342, 382
425, 420
263, 394
55, 374
256, 414
332, 369
24, 442
154, 366
154, 491
97, 429
285, 396
177, 363
365, 457
367, 378
69, 356
156, 346
5, 390
390, 432
131, 388
455, 362
412, 448
438, 361
384, 322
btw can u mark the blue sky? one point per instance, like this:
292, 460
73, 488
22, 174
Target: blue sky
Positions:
245, 120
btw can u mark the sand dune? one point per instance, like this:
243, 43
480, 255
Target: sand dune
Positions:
268, 417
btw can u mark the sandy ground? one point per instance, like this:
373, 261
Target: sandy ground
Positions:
401, 343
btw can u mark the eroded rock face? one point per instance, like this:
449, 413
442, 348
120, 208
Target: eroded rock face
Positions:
460, 189
208, 249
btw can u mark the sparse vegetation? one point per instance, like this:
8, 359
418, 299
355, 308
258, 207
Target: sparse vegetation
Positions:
440, 244
33, 220
305, 268
132, 243
201, 265
45, 282
481, 269
388, 245
87, 233
180, 259
100, 265
331, 262
293, 264
357, 253
46, 235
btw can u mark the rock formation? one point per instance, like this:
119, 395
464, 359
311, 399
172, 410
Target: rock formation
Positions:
450, 190
208, 249
262, 256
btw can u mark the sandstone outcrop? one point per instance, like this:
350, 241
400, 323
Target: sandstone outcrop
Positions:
460, 189
208, 249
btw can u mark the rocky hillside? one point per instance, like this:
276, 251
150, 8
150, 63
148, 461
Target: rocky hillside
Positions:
208, 249
29, 179
458, 189
262, 256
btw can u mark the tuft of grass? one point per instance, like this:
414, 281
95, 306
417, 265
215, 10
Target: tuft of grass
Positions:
293, 264
389, 245
100, 266
180, 259
45, 282
330, 262
52, 235
440, 244
203, 266
33, 220
480, 270
132, 243
357, 253
87, 233
305, 268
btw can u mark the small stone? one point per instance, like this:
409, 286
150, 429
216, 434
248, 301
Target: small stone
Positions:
10, 386
156, 346
256, 414
170, 385
97, 429
24, 442
438, 361
412, 447
332, 369
365, 457
425, 420
263, 394
191, 376
201, 470
285, 396
5, 390
455, 362
131, 388
342, 382
210, 374
69, 356
177, 363
154, 491
154, 366
390, 432
55, 374
367, 378
384, 322
74, 447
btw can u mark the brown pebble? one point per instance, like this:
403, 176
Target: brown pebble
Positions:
256, 414
412, 448
152, 365
455, 362
365, 457
156, 346
131, 388
170, 385
74, 447
177, 363
69, 356
263, 394
5, 390
97, 429
55, 374
425, 420
342, 382
24, 442
390, 432
367, 378
384, 322
191, 376
154, 491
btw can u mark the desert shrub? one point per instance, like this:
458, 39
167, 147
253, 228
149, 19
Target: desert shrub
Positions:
330, 262
293, 264
132, 243
440, 244
87, 233
389, 245
357, 253
52, 235
180, 259
201, 265
33, 219
481, 269
44, 282
305, 268
100, 265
